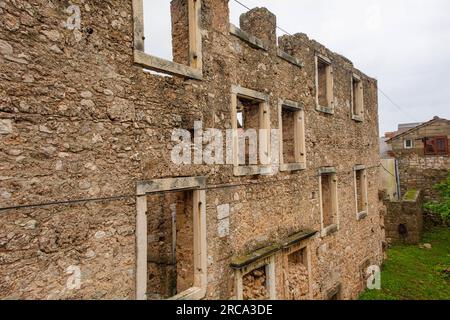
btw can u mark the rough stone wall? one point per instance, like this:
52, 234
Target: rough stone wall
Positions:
254, 285
78, 120
404, 221
417, 170
297, 276
422, 173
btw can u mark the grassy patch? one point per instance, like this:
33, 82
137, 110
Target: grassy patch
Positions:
412, 273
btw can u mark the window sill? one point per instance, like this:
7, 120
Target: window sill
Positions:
161, 65
357, 118
289, 167
361, 215
330, 230
287, 57
246, 37
326, 110
241, 171
190, 294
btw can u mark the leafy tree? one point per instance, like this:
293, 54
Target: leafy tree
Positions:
441, 207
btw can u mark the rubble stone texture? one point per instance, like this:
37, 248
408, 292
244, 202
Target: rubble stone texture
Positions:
404, 220
254, 285
80, 120
298, 281
423, 173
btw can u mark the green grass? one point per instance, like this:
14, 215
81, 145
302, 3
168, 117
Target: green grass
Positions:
412, 273
410, 195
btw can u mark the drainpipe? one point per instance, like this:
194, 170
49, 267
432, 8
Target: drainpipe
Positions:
397, 177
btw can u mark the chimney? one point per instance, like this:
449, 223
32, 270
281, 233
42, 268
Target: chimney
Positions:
260, 23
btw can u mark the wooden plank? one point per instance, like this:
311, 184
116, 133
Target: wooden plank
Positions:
138, 25
195, 36
287, 57
166, 66
169, 184
271, 279
248, 38
249, 93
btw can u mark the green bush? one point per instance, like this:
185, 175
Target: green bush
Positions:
441, 207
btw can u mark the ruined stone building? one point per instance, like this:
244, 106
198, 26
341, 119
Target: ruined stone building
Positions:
422, 151
417, 159
92, 205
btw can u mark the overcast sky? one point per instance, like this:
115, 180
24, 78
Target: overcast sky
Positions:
405, 44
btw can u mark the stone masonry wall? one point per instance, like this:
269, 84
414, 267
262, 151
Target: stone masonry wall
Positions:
422, 173
404, 221
80, 124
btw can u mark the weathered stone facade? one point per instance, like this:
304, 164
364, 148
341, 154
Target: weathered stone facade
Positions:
81, 123
404, 219
417, 169
422, 173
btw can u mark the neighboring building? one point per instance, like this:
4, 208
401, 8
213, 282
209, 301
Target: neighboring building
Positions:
423, 154
385, 148
94, 207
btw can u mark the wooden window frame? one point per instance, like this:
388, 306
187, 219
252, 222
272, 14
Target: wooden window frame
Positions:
195, 69
197, 185
334, 227
360, 215
358, 95
264, 123
405, 144
329, 109
433, 143
299, 135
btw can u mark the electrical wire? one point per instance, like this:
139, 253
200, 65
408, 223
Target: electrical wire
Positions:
384, 168
124, 197
131, 196
396, 105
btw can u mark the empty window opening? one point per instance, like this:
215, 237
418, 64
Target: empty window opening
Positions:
408, 144
327, 205
255, 285
292, 136
361, 190
298, 277
255, 281
170, 244
358, 98
248, 117
329, 199
251, 131
158, 28
167, 37
324, 81
288, 117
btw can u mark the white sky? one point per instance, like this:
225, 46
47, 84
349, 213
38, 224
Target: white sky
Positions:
405, 44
